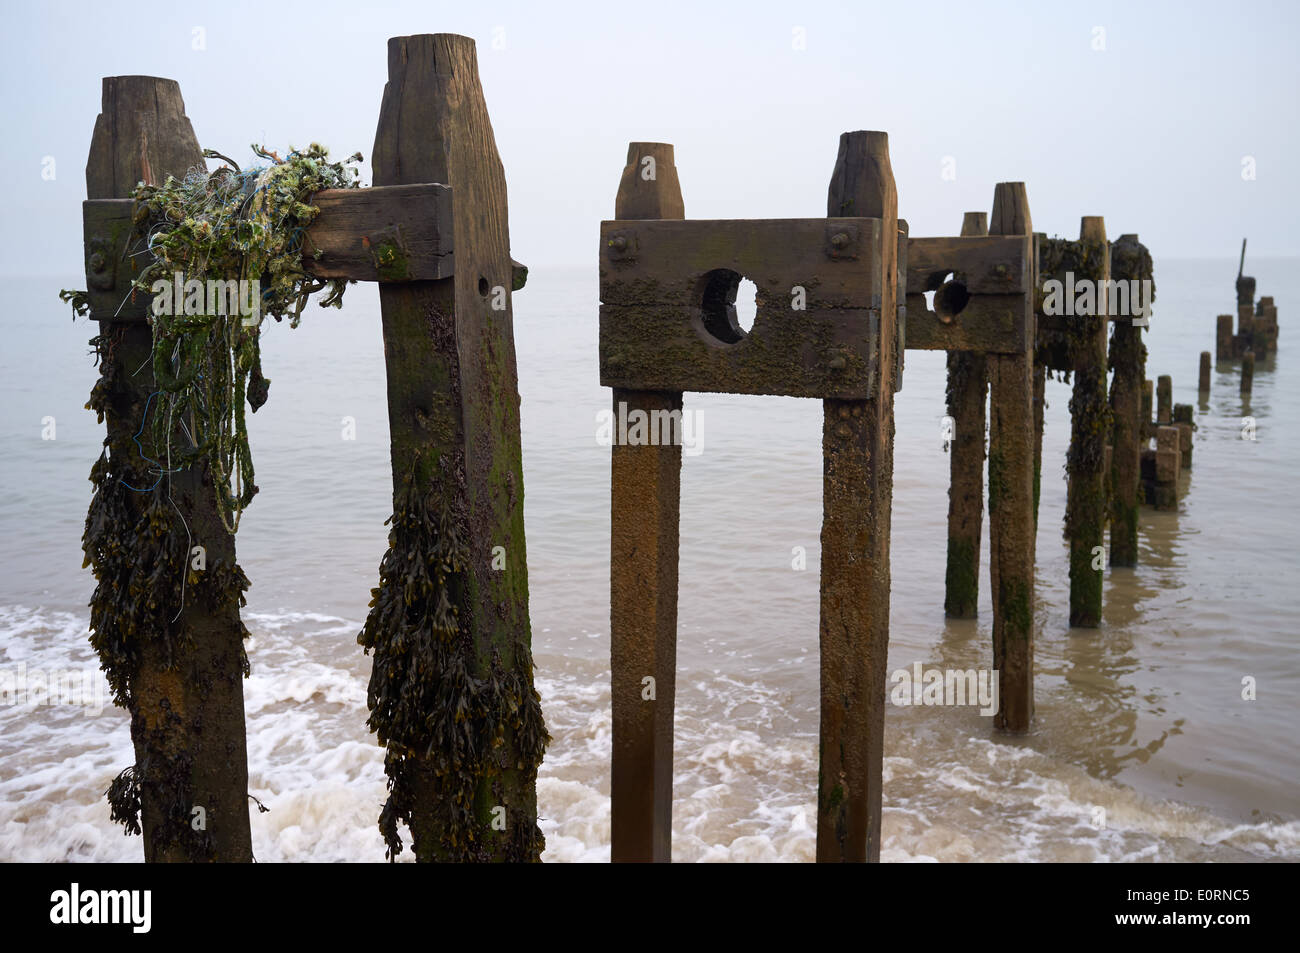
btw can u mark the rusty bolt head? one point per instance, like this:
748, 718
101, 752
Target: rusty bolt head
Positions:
618, 243
839, 240
97, 263
837, 363
1001, 270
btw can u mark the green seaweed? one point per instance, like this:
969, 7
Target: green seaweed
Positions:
445, 725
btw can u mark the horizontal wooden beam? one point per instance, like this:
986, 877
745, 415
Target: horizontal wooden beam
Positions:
992, 264
992, 324
668, 319
387, 233
665, 261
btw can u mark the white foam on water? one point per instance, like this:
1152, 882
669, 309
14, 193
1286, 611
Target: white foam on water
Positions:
744, 773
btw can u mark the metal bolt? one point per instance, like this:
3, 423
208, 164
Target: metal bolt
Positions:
97, 262
1001, 270
839, 240
837, 363
618, 243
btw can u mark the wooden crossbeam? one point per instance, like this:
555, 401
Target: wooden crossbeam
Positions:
981, 308
387, 233
668, 290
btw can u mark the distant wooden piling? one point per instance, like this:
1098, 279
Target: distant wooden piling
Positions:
1086, 504
1148, 410
1203, 383
967, 389
645, 508
1039, 372
1185, 422
1011, 496
1168, 464
1130, 261
1164, 399
1247, 372
1265, 338
1225, 345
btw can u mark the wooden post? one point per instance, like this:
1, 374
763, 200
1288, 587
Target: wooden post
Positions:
967, 390
1246, 323
1164, 399
1247, 372
1040, 407
467, 736
857, 490
1130, 261
1183, 420
1011, 496
186, 682
1168, 459
1224, 343
645, 506
1203, 382
1148, 411
1086, 505
1265, 336
1040, 383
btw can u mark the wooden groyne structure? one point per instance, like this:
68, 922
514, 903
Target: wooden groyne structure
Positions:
451, 696
840, 299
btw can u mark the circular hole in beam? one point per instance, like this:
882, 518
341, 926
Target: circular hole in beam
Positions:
949, 301
718, 306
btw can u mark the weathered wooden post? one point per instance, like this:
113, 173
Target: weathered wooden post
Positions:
1265, 326
1183, 420
825, 329
1130, 262
1167, 460
986, 308
1148, 410
168, 634
1072, 332
967, 390
1164, 399
1011, 482
645, 504
1247, 372
1086, 506
451, 693
1225, 345
1203, 382
857, 494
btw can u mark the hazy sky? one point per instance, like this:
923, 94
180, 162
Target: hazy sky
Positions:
1150, 131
